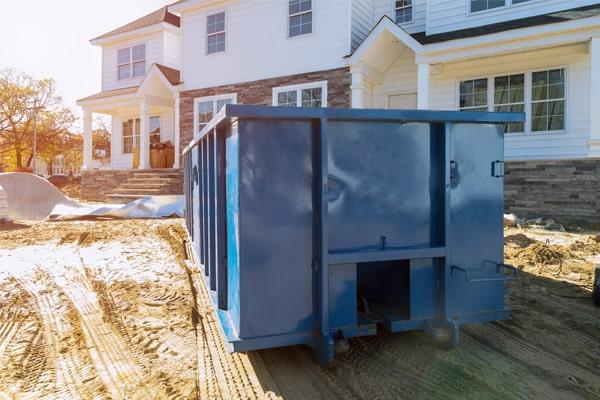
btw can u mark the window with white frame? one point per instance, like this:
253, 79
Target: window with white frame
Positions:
509, 96
482, 5
131, 133
540, 94
519, 1
473, 95
548, 100
310, 95
207, 107
404, 11
300, 19
131, 62
215, 33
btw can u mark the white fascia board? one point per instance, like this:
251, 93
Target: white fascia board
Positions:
154, 70
569, 32
145, 31
386, 24
190, 5
96, 105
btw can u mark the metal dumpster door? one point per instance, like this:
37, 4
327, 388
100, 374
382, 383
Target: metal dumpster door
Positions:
476, 232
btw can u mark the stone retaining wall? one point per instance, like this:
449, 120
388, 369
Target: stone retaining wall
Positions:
565, 190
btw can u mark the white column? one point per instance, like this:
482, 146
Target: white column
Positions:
177, 130
358, 90
424, 86
144, 136
595, 97
87, 141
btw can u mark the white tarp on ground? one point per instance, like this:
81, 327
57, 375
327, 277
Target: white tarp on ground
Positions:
31, 198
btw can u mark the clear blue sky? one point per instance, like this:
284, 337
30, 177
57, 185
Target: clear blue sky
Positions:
50, 38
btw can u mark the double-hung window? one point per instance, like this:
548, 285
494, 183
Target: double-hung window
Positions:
215, 33
310, 95
131, 62
154, 129
132, 133
127, 135
300, 19
539, 94
404, 11
482, 5
207, 107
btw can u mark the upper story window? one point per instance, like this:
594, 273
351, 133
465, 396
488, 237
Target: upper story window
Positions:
131, 62
540, 94
404, 11
311, 95
215, 33
207, 107
481, 5
300, 17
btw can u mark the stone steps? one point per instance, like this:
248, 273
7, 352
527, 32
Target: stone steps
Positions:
147, 183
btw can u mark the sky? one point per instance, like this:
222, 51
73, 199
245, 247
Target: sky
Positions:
50, 39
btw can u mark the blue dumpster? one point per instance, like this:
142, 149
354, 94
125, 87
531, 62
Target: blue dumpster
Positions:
313, 226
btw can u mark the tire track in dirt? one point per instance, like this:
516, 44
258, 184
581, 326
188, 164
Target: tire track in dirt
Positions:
72, 373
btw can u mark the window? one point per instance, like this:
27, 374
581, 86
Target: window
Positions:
509, 96
540, 94
518, 1
300, 17
481, 5
548, 100
207, 107
132, 133
404, 11
128, 137
154, 129
215, 33
310, 95
131, 62
473, 95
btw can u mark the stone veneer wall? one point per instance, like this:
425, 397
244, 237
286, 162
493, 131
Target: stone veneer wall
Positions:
565, 190
97, 185
261, 93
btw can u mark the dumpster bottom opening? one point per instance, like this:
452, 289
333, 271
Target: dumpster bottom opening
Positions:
383, 291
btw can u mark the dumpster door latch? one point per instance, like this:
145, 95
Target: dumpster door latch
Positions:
454, 172
498, 169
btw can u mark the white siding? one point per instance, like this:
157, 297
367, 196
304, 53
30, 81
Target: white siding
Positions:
257, 43
450, 15
362, 20
400, 78
388, 7
172, 50
154, 54
530, 146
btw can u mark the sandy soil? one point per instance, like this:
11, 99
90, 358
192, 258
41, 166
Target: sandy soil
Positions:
113, 310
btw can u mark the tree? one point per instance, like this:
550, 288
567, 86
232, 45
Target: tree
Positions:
18, 94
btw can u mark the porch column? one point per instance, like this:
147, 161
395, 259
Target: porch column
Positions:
358, 90
594, 143
87, 140
177, 130
144, 136
424, 86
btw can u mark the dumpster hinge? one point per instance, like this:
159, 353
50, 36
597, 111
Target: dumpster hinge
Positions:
498, 169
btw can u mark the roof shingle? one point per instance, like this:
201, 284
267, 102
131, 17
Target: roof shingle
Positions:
160, 15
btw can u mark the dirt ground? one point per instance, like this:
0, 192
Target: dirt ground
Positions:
112, 309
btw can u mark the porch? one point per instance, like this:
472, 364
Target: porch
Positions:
142, 117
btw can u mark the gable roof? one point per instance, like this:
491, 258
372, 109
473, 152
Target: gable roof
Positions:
158, 16
550, 18
172, 75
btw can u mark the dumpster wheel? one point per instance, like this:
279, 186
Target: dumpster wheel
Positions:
446, 336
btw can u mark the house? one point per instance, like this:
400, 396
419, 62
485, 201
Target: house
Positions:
173, 69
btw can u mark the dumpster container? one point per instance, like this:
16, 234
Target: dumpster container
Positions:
313, 226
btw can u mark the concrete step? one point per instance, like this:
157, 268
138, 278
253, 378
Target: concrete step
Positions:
137, 185
150, 180
124, 198
172, 175
148, 191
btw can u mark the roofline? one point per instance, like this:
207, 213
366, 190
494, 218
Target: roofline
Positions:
86, 103
155, 70
146, 30
189, 5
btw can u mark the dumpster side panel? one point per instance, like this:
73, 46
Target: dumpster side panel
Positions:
476, 238
379, 185
233, 225
276, 232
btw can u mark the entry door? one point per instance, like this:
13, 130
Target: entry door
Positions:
405, 101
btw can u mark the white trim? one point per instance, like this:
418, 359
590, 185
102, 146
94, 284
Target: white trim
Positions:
131, 61
412, 12
214, 99
298, 88
155, 70
140, 32
207, 35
